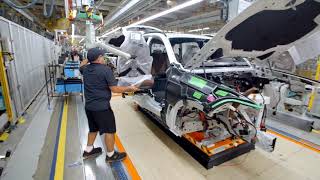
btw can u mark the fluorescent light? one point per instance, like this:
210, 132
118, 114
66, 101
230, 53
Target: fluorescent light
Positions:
72, 35
196, 30
110, 32
124, 9
81, 40
66, 8
98, 27
176, 8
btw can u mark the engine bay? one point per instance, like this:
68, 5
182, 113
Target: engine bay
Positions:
240, 81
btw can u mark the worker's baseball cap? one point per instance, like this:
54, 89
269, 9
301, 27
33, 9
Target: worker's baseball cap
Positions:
94, 53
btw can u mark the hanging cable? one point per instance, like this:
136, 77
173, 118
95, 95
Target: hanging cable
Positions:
45, 10
11, 4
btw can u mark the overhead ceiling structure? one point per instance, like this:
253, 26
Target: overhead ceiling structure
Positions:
202, 17
207, 15
103, 6
36, 11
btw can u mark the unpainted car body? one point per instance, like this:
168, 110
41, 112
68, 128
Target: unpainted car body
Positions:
206, 89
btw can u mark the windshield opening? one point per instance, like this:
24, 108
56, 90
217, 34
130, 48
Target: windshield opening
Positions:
185, 48
226, 62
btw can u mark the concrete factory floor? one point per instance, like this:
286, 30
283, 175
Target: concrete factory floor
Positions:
152, 154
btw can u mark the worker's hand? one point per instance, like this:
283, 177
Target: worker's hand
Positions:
250, 91
133, 88
84, 62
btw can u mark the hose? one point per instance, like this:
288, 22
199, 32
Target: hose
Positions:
20, 7
45, 12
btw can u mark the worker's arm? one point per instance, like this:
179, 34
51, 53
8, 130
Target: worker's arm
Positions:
113, 84
123, 89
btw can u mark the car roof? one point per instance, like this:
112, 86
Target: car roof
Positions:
178, 35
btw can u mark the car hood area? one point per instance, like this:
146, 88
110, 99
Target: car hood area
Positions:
264, 30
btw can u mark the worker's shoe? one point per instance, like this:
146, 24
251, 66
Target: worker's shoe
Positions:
117, 156
93, 153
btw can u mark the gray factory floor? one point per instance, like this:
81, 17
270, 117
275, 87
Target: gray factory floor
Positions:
152, 153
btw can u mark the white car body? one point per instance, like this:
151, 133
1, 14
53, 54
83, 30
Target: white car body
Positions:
265, 29
165, 38
296, 19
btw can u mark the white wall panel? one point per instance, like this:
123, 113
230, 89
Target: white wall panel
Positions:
4, 29
15, 80
31, 53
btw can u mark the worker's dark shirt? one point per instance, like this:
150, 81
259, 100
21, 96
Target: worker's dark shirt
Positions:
97, 79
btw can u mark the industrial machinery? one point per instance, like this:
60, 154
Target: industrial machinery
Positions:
290, 103
212, 101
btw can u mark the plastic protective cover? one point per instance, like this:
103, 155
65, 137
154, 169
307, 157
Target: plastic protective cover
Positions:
134, 71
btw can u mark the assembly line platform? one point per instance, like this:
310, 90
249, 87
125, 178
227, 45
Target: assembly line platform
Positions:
206, 157
58, 137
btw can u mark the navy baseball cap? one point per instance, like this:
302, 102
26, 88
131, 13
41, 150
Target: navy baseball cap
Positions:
94, 53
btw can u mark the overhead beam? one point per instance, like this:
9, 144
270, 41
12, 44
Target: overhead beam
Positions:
197, 18
164, 19
28, 13
193, 23
102, 7
110, 4
106, 8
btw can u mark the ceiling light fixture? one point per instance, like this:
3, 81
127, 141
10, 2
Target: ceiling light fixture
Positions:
197, 30
72, 34
171, 3
124, 9
110, 32
81, 40
163, 13
66, 8
98, 28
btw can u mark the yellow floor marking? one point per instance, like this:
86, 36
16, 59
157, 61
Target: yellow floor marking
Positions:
21, 120
4, 136
59, 172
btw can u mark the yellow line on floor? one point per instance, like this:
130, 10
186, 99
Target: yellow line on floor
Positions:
59, 172
127, 162
303, 144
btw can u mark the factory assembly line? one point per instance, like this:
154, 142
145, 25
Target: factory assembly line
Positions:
211, 115
216, 98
